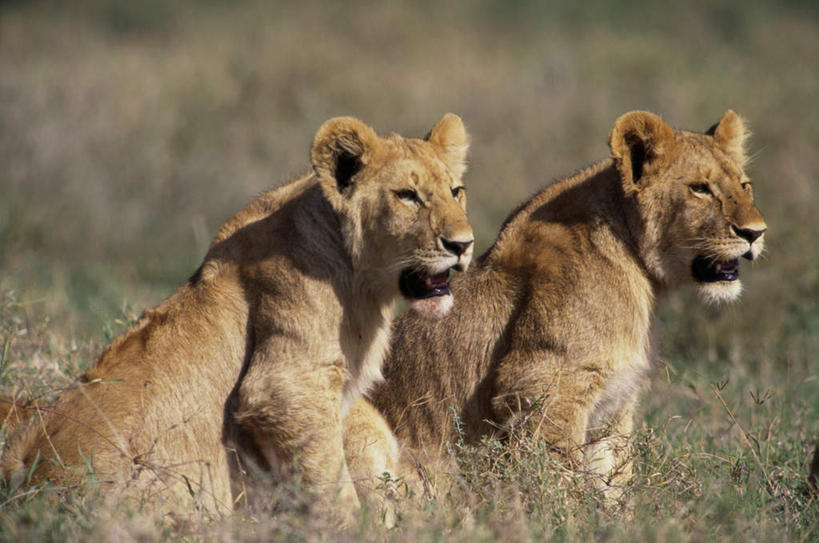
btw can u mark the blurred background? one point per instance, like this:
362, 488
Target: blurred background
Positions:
129, 131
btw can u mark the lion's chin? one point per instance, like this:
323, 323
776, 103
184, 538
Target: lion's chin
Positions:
720, 292
434, 307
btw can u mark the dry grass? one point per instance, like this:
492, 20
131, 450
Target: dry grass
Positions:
129, 131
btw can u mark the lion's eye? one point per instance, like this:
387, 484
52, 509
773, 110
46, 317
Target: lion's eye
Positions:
457, 191
409, 195
701, 188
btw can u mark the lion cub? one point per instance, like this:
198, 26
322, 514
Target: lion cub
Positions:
282, 327
552, 323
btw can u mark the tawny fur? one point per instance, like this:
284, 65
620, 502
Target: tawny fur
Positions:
254, 358
13, 412
552, 324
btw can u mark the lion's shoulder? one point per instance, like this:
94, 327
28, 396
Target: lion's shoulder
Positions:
264, 206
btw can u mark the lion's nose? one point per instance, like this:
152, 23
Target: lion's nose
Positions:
749, 234
457, 248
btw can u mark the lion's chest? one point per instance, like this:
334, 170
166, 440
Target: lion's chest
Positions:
628, 378
365, 342
626, 357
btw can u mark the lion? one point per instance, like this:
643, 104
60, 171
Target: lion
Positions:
256, 358
551, 329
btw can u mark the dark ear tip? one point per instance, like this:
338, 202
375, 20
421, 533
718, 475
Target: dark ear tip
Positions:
347, 165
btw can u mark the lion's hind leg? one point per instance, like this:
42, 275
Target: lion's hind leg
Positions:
294, 417
549, 397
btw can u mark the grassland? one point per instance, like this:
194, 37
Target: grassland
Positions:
130, 131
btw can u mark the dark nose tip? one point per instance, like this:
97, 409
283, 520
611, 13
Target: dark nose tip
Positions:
749, 234
456, 247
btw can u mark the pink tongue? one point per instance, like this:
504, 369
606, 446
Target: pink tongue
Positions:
725, 266
435, 281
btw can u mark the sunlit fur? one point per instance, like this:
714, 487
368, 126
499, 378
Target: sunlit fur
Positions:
251, 362
721, 292
551, 326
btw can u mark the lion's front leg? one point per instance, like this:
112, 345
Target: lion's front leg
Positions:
374, 458
609, 454
294, 416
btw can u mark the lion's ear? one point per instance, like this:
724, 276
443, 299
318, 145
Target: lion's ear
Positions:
452, 141
340, 150
731, 133
640, 142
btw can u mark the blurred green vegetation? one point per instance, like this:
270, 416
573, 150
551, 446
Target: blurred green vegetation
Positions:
129, 131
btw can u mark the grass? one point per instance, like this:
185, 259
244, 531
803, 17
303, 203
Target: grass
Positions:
130, 131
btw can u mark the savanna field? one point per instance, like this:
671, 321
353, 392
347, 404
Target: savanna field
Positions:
129, 131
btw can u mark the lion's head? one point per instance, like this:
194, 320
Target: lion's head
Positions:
693, 202
402, 205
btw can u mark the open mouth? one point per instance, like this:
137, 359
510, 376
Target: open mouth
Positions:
418, 285
706, 270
